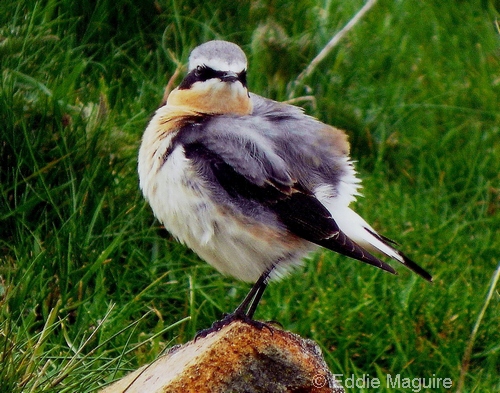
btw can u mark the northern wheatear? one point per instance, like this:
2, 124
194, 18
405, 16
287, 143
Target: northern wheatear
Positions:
250, 184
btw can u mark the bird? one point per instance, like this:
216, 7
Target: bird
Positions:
250, 184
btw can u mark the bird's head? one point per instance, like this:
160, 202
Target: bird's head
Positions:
216, 81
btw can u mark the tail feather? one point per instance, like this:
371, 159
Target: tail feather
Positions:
403, 259
361, 233
414, 267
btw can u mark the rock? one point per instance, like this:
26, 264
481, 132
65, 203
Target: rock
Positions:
237, 358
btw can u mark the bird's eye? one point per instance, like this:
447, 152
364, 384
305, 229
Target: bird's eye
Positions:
203, 73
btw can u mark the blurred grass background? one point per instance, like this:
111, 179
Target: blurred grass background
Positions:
92, 287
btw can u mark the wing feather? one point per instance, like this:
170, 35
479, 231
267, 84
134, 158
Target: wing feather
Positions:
268, 164
295, 208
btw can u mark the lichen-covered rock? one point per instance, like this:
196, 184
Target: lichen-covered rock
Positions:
237, 358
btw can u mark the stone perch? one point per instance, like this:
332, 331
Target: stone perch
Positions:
237, 358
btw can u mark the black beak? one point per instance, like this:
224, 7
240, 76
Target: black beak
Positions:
229, 76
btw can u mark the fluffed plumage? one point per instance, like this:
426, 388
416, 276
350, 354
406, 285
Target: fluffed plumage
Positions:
250, 184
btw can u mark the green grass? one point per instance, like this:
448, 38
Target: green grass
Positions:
91, 286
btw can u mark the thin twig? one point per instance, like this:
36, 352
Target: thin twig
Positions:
472, 339
171, 82
333, 42
297, 100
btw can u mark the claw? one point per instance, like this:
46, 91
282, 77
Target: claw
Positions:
229, 318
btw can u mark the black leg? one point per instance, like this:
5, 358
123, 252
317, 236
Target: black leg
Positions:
245, 311
256, 299
251, 301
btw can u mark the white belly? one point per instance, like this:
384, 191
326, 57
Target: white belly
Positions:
233, 245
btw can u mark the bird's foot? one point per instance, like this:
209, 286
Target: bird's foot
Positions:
229, 318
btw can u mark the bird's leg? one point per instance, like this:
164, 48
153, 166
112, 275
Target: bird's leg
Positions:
249, 304
245, 311
256, 299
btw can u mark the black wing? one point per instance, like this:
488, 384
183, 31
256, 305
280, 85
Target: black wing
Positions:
296, 208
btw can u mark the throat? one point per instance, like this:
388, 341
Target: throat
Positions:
229, 100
